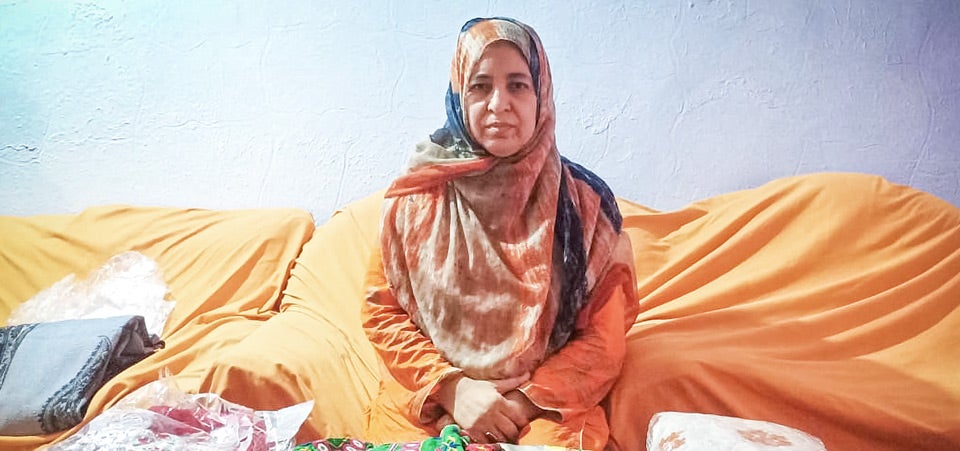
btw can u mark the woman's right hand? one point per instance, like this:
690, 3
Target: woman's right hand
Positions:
480, 409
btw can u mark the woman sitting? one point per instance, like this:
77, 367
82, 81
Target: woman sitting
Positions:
503, 288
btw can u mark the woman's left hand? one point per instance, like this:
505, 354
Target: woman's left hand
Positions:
481, 409
518, 402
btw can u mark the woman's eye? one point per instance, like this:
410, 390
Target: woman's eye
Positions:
479, 87
519, 86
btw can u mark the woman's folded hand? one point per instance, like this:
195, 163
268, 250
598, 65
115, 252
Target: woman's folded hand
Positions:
482, 411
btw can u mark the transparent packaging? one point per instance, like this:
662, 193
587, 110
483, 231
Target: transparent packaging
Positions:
129, 283
159, 416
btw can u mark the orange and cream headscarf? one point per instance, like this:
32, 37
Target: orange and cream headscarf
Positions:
493, 258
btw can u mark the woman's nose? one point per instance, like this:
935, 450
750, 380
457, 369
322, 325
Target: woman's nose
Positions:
499, 100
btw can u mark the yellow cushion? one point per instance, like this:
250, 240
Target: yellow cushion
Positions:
315, 348
824, 302
208, 258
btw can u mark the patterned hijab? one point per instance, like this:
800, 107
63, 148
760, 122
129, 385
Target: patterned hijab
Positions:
493, 258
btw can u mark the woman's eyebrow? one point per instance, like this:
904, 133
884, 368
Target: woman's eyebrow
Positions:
510, 76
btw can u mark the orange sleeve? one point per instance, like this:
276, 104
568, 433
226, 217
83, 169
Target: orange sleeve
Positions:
409, 356
579, 375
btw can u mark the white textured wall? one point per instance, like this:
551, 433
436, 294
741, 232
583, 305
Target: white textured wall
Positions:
223, 104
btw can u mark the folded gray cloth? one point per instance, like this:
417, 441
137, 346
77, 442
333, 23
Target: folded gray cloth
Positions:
50, 371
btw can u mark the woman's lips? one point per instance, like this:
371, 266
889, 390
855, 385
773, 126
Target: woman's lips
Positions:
499, 126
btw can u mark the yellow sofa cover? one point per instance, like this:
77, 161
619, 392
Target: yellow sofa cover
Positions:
825, 302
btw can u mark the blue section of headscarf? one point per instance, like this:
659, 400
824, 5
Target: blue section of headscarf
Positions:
568, 245
608, 202
454, 131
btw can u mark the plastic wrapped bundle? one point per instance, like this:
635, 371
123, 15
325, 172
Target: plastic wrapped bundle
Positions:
677, 431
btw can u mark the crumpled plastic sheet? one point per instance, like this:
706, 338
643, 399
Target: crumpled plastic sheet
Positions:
159, 416
129, 283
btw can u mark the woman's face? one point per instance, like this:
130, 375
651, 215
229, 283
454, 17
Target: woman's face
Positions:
500, 100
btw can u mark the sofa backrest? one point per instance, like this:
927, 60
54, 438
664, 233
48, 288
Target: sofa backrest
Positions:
207, 257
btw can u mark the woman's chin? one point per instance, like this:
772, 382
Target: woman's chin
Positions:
502, 148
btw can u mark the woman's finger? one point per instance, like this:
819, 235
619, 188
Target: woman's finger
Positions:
510, 383
444, 421
506, 431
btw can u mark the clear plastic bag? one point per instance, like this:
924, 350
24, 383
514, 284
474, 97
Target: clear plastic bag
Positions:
129, 283
159, 416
